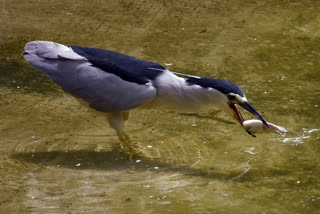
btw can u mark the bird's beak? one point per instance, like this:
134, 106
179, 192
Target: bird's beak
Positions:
248, 107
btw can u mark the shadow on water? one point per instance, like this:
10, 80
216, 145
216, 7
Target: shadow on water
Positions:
111, 161
20, 76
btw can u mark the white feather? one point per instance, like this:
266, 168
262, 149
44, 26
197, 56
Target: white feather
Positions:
175, 93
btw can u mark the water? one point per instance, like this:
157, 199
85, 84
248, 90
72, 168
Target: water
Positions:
57, 157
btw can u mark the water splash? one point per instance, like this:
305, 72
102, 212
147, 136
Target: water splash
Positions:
299, 139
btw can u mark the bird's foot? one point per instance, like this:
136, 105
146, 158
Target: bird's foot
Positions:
133, 149
122, 148
137, 152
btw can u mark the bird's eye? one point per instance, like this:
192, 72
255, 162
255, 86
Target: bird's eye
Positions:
232, 97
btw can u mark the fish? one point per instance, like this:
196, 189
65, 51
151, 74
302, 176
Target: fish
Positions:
256, 126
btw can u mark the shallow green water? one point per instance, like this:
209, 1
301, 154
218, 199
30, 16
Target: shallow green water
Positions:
56, 157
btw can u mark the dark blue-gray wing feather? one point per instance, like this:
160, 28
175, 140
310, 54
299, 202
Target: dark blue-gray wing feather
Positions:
126, 67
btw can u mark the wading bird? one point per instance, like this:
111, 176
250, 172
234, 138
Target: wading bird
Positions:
116, 83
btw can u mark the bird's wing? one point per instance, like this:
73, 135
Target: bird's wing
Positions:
82, 77
126, 67
107, 92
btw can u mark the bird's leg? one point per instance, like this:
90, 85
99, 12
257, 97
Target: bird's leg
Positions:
214, 113
124, 137
210, 115
133, 148
126, 142
116, 121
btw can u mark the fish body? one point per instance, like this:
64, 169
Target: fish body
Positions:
256, 126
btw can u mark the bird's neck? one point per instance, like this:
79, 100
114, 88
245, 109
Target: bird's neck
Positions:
175, 93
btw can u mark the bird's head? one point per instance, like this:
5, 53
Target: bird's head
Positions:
235, 97
241, 100
228, 95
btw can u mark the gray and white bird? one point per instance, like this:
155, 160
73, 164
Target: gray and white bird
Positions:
116, 83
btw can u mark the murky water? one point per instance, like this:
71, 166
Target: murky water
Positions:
56, 157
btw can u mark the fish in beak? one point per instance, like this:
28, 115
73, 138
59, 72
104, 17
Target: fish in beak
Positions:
249, 108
